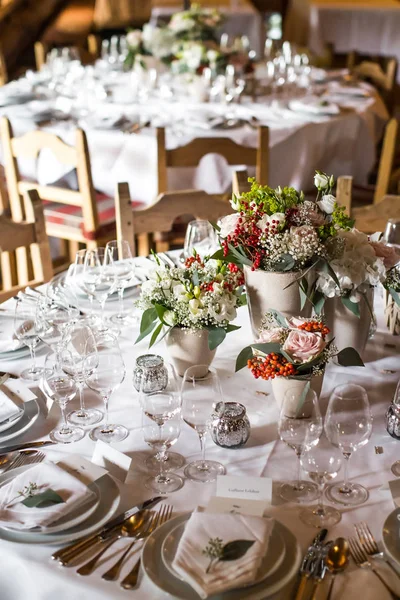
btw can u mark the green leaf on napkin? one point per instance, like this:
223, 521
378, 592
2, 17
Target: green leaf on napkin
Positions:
43, 499
236, 549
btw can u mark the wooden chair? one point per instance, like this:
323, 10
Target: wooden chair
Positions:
374, 218
29, 236
87, 55
82, 216
3, 69
161, 215
378, 70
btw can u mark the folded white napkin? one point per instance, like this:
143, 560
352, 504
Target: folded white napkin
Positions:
191, 564
8, 408
44, 475
315, 105
349, 90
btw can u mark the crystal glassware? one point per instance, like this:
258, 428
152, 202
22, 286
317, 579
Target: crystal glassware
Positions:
119, 257
391, 235
161, 437
76, 283
322, 464
348, 426
299, 426
104, 372
100, 278
61, 388
77, 342
26, 331
201, 395
200, 237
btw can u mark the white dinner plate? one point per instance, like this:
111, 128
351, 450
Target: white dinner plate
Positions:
391, 535
73, 518
159, 574
31, 413
271, 561
109, 500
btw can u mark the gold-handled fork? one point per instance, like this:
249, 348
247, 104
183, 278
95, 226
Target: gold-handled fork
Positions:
361, 560
25, 457
158, 517
130, 581
369, 544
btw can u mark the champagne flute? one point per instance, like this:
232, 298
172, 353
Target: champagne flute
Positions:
99, 277
26, 331
322, 464
348, 426
299, 426
77, 341
105, 371
201, 394
119, 256
62, 389
161, 437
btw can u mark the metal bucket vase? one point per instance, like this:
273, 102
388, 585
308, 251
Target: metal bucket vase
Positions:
188, 347
268, 289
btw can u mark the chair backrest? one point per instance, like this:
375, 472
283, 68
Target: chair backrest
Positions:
161, 215
379, 70
29, 235
3, 69
191, 154
87, 55
77, 157
386, 160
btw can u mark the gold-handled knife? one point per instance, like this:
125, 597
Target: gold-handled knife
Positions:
309, 562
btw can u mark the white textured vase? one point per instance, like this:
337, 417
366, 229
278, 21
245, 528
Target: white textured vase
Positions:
187, 348
280, 385
266, 290
348, 329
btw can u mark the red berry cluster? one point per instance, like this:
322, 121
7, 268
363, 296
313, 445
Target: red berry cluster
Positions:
235, 270
271, 366
315, 327
193, 259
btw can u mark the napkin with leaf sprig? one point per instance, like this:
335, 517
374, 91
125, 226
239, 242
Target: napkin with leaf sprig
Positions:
40, 496
219, 552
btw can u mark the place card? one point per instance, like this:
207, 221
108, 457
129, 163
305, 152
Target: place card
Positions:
116, 462
218, 504
245, 488
81, 468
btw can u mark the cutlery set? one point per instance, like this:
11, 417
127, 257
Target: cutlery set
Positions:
333, 556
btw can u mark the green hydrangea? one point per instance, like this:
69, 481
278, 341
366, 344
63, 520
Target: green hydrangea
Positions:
270, 200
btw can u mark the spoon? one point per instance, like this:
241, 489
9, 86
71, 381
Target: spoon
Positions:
337, 559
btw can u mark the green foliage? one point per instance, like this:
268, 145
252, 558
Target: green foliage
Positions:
270, 200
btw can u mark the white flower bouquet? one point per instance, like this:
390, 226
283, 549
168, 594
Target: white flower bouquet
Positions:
202, 294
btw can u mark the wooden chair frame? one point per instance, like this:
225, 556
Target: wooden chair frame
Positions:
29, 235
381, 71
87, 55
3, 69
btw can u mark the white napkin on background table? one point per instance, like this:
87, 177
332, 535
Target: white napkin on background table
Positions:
314, 105
191, 564
45, 475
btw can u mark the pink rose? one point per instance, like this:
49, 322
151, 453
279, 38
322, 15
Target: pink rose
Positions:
388, 253
295, 322
270, 336
303, 346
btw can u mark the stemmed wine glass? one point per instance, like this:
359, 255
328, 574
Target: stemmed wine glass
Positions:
78, 341
119, 256
299, 426
76, 281
348, 426
201, 395
161, 436
322, 464
201, 237
52, 319
26, 331
61, 388
99, 277
104, 372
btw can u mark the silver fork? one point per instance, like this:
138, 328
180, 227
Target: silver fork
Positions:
25, 457
130, 581
361, 560
369, 544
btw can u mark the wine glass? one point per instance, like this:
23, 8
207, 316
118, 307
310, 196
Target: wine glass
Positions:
75, 282
52, 319
119, 256
200, 237
105, 371
348, 426
201, 394
99, 277
26, 331
77, 341
161, 437
160, 405
391, 235
299, 426
61, 388
322, 464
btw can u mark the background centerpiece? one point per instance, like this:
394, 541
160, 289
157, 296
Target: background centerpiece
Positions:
192, 307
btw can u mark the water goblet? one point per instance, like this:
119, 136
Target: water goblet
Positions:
100, 278
119, 257
299, 426
348, 426
200, 237
26, 331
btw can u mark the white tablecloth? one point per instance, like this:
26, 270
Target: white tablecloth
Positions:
299, 143
28, 572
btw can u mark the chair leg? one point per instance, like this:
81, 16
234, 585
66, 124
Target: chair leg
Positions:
73, 247
143, 244
162, 247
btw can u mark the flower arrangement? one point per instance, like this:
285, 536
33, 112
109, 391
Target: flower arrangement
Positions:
392, 284
293, 347
202, 294
150, 41
196, 24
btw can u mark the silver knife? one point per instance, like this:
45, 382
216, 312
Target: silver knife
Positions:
25, 446
100, 536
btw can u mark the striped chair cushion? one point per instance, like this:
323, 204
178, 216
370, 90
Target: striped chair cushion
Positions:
71, 216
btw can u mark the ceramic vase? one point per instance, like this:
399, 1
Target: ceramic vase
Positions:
266, 290
280, 385
188, 347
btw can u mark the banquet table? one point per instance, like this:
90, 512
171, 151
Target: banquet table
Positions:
27, 571
343, 144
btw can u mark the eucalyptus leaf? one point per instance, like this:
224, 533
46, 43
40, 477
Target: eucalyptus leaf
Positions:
318, 302
243, 357
148, 316
303, 396
42, 500
156, 332
303, 297
216, 336
351, 306
349, 357
235, 550
240, 255
231, 327
279, 318
395, 295
161, 310
286, 262
195, 278
146, 332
